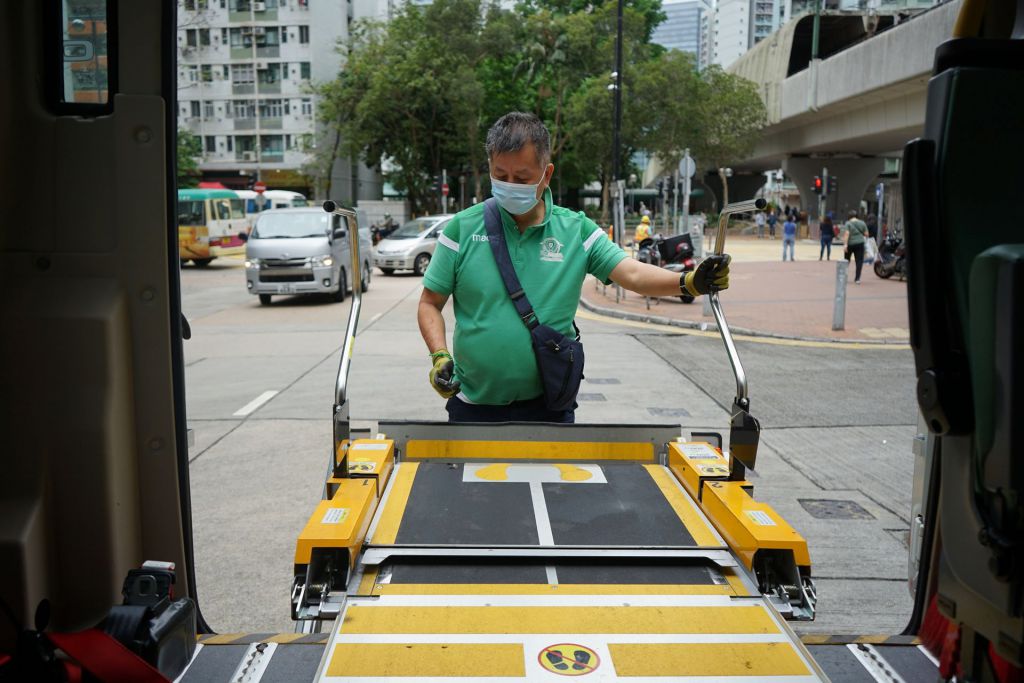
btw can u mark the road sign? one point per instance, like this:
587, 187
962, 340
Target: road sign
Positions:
687, 167
259, 186
444, 189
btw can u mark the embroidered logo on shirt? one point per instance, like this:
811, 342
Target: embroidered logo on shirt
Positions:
479, 238
551, 250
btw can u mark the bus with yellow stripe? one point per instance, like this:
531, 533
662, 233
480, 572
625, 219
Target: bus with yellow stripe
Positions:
210, 222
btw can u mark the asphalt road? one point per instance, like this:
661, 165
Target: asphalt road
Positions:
835, 461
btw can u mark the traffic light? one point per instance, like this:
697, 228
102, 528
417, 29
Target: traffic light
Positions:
817, 184
833, 184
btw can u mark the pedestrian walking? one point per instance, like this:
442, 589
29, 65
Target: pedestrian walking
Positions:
872, 223
759, 220
827, 231
788, 238
773, 218
514, 266
855, 231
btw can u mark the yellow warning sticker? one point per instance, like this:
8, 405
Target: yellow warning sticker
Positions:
569, 659
360, 466
334, 516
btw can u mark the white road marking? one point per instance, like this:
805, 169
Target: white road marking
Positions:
540, 511
254, 404
552, 575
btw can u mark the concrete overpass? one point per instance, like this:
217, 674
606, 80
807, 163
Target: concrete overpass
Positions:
850, 110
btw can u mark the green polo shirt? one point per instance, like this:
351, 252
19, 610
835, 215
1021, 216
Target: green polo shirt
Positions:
494, 359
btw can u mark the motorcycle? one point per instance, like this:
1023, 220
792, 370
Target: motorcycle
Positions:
672, 253
891, 259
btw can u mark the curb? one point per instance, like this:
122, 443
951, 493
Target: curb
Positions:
708, 326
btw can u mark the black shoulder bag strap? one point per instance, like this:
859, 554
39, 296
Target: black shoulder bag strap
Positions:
496, 238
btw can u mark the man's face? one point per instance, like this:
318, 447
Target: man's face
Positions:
522, 167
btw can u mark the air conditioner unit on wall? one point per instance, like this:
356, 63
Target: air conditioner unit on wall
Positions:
259, 30
259, 7
249, 156
261, 66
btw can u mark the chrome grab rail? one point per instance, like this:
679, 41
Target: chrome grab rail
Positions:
716, 306
341, 408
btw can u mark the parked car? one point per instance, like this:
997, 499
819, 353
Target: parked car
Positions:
411, 246
303, 251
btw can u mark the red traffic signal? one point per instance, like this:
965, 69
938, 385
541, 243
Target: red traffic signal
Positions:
817, 184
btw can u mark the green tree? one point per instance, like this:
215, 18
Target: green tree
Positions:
189, 150
730, 114
671, 100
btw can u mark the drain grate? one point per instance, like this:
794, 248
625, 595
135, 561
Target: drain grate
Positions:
668, 412
590, 397
834, 509
602, 380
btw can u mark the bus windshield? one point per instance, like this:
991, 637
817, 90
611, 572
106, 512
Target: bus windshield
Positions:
191, 212
227, 209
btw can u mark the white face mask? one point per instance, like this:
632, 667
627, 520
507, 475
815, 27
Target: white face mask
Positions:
515, 198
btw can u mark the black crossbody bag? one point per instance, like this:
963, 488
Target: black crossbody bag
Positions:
559, 358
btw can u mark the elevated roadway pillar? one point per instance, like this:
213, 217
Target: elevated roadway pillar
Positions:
854, 174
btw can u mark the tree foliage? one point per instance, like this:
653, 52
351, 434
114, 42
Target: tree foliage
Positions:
188, 153
417, 94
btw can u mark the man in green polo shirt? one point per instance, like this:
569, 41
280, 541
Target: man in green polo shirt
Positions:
493, 375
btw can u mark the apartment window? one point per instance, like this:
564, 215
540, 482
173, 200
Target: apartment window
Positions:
204, 37
303, 34
227, 72
211, 144
206, 73
190, 5
284, 70
272, 144
271, 109
242, 74
231, 144
192, 72
284, 34
190, 37
194, 106
304, 71
270, 38
207, 110
223, 36
272, 74
307, 106
243, 109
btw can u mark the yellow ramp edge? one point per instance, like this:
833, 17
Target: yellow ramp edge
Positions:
426, 449
686, 512
481, 620
427, 660
731, 660
552, 589
394, 507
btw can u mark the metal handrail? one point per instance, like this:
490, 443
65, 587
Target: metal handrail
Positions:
716, 307
341, 382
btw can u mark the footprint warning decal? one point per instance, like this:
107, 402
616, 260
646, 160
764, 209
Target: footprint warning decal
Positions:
569, 659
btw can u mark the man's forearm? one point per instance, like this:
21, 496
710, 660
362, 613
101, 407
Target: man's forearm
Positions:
648, 280
432, 326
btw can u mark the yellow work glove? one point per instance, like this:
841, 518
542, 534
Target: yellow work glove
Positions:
711, 275
442, 374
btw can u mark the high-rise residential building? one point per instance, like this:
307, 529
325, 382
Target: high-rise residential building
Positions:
681, 29
245, 71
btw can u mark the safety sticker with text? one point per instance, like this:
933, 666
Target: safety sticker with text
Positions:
699, 451
759, 517
335, 516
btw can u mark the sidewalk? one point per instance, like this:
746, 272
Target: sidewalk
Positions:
769, 297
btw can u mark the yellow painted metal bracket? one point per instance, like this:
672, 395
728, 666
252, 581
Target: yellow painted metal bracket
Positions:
749, 526
340, 522
746, 524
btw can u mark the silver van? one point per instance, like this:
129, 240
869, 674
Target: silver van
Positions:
411, 246
302, 251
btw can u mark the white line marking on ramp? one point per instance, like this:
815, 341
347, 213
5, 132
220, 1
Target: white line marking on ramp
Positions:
254, 404
376, 318
540, 511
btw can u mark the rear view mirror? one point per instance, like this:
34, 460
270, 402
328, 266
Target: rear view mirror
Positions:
338, 233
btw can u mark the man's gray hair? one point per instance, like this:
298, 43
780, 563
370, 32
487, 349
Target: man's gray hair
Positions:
514, 130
